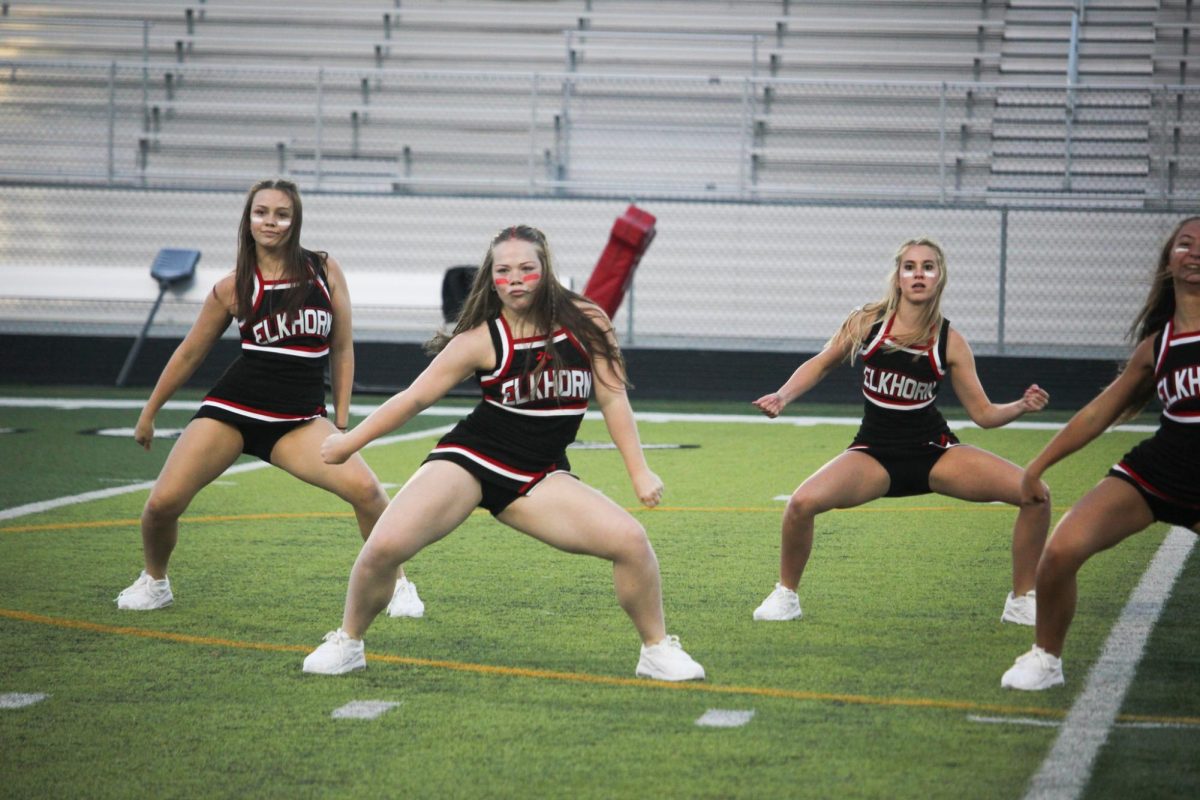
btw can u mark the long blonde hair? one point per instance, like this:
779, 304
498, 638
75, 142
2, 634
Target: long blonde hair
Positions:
857, 325
554, 306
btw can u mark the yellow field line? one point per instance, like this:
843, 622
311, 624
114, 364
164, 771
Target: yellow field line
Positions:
580, 677
124, 523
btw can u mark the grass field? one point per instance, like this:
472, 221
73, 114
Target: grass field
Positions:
519, 680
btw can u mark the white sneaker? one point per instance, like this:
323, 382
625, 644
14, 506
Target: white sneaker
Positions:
781, 605
405, 602
667, 661
337, 655
1020, 610
146, 594
1034, 671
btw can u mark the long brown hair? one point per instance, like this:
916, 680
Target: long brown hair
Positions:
553, 306
1156, 312
858, 323
296, 260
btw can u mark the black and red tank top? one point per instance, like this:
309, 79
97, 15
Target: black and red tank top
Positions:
530, 412
280, 374
900, 386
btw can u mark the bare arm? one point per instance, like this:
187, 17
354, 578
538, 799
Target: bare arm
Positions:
465, 354
622, 428
965, 379
1091, 420
806, 376
212, 321
341, 345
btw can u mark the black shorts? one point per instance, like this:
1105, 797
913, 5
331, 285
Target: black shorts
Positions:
501, 484
1162, 507
258, 438
908, 468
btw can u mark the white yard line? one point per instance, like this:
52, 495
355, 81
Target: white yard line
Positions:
1065, 772
100, 494
461, 411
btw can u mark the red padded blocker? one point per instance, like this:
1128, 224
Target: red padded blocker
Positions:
631, 235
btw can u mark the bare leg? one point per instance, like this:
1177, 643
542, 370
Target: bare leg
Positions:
572, 516
849, 480
434, 502
204, 450
969, 473
1109, 513
298, 453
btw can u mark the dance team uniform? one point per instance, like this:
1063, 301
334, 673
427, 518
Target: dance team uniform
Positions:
519, 432
901, 427
1165, 468
278, 382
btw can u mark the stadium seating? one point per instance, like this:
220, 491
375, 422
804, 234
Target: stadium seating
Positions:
230, 88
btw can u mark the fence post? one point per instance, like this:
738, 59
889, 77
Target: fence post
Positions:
942, 141
747, 135
1003, 287
533, 109
319, 125
112, 118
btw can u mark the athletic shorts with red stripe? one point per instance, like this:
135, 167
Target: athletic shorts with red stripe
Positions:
1159, 471
503, 476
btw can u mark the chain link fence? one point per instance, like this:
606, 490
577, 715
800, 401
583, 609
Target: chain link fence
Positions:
720, 275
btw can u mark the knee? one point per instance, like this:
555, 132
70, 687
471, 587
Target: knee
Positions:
162, 507
380, 553
1060, 556
801, 505
365, 493
630, 542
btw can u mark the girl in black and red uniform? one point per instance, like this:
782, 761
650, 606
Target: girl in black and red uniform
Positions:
293, 311
1156, 481
538, 351
904, 446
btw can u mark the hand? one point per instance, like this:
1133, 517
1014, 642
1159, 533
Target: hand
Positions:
334, 449
769, 404
143, 433
649, 489
1033, 491
1034, 399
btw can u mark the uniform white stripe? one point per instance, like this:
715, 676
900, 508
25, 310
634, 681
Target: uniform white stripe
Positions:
252, 415
488, 465
287, 351
505, 349
539, 412
898, 406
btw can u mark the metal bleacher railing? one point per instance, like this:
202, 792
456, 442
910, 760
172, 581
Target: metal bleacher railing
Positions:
153, 124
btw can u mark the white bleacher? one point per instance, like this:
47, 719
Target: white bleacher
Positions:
231, 91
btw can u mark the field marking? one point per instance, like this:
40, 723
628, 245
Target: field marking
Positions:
1068, 767
364, 709
361, 409
572, 677
120, 523
101, 494
724, 718
20, 699
1182, 724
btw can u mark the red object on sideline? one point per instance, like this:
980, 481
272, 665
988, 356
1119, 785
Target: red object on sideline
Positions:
631, 235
